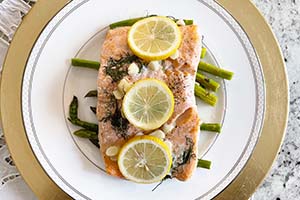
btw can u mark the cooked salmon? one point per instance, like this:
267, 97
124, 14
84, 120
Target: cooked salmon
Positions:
179, 74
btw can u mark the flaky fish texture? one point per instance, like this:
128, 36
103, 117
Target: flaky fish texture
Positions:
179, 74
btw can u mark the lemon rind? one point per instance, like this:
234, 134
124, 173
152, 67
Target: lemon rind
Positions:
159, 143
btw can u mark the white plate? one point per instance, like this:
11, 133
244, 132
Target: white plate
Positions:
50, 82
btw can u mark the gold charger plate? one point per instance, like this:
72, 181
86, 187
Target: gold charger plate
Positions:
264, 153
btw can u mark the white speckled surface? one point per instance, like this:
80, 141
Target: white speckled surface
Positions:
283, 182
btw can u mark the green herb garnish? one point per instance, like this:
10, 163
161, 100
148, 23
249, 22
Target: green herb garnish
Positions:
186, 156
118, 122
116, 67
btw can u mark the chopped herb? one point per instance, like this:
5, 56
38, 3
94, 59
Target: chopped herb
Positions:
171, 17
163, 63
166, 177
118, 122
186, 156
110, 105
186, 21
116, 68
188, 153
95, 142
93, 109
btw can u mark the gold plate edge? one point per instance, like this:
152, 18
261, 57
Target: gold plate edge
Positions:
274, 128
11, 117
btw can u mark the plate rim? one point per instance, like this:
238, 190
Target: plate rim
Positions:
57, 176
10, 101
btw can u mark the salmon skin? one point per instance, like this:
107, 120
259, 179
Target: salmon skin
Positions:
179, 74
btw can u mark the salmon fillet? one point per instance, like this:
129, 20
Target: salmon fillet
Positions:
178, 74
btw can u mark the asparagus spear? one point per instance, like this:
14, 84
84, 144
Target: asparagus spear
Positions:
87, 125
95, 142
205, 95
93, 109
130, 22
127, 22
211, 127
85, 63
92, 136
215, 70
207, 82
73, 117
83, 133
204, 164
203, 52
92, 93
188, 21
73, 109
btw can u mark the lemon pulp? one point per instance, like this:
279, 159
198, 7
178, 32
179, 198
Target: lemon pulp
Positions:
145, 159
148, 104
154, 38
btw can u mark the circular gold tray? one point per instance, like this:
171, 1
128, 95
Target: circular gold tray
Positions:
264, 153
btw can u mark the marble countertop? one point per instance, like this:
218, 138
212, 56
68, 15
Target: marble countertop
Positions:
283, 181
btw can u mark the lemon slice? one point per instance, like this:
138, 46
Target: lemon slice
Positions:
145, 159
154, 38
148, 104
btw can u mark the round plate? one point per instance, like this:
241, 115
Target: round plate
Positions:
49, 82
78, 81
43, 100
